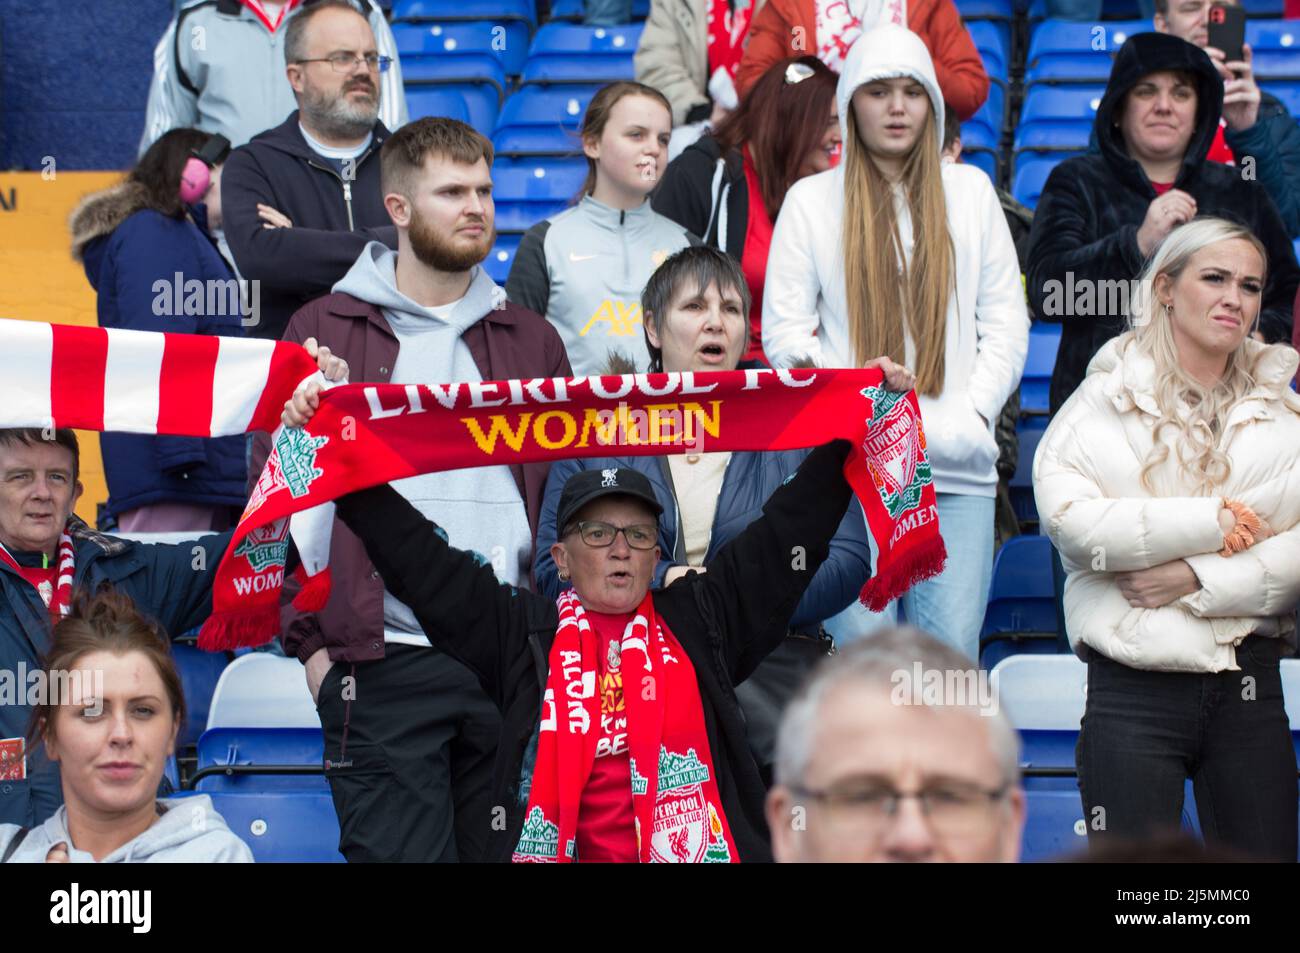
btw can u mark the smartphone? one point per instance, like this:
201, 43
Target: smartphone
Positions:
1227, 30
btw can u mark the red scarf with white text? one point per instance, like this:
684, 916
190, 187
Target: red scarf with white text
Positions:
364, 435
677, 809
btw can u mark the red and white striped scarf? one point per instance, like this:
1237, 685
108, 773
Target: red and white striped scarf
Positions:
58, 598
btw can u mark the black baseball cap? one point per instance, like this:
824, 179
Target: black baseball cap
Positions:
587, 485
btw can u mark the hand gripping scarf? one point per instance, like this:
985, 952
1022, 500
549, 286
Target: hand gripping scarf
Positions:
676, 806
364, 435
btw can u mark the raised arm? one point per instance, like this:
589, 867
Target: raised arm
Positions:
755, 582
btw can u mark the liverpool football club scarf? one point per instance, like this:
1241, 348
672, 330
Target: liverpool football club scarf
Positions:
365, 435
677, 810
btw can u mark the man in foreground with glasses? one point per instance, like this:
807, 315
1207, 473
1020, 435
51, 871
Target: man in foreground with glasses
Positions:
871, 767
303, 199
220, 68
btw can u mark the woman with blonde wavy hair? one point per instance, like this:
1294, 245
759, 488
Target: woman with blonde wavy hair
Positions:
1169, 482
894, 253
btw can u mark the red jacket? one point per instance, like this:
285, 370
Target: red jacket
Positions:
782, 24
508, 343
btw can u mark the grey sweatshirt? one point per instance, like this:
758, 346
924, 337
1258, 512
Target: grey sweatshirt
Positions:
190, 832
480, 509
585, 270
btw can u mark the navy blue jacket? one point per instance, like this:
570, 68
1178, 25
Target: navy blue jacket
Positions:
171, 583
333, 219
134, 271
750, 479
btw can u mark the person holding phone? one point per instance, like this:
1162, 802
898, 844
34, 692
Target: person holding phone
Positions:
1254, 124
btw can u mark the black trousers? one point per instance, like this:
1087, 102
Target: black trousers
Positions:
408, 753
1145, 733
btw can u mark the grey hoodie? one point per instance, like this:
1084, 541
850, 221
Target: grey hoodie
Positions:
189, 832
480, 509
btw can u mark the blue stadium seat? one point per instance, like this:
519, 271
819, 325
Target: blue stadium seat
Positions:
1036, 382
990, 41
568, 39
1030, 431
1032, 170
984, 129
578, 68
498, 262
1111, 10
1022, 604
1057, 118
1289, 93
476, 78
242, 751
283, 826
529, 190
542, 120
1275, 48
441, 101
200, 671
506, 42
572, 9
497, 10
986, 9
984, 159
519, 217
1054, 821
538, 180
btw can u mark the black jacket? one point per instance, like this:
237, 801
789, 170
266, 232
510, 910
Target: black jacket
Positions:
689, 197
332, 219
727, 620
1087, 219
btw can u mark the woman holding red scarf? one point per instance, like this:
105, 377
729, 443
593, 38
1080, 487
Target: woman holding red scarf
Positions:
622, 739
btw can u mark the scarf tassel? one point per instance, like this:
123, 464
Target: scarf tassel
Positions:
901, 572
227, 631
315, 591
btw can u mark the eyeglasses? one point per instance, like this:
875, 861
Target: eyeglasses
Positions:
345, 62
952, 810
796, 73
601, 535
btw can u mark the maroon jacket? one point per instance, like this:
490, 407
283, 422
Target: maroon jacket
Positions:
507, 344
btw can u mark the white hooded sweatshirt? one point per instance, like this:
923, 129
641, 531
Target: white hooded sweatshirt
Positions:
804, 302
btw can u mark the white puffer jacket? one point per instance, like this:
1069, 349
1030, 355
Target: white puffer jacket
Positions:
1098, 514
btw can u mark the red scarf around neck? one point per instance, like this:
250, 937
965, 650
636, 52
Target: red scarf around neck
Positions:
58, 597
677, 809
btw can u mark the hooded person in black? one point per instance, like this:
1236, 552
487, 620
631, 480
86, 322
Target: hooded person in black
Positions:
1088, 232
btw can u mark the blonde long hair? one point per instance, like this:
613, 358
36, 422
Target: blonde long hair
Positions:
1198, 431
878, 301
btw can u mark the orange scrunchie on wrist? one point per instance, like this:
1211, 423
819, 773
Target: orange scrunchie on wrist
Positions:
1243, 534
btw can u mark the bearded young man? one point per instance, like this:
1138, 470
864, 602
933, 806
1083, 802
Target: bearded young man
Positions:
409, 734
301, 200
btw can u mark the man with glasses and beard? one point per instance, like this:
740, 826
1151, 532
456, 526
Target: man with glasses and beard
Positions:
409, 734
302, 200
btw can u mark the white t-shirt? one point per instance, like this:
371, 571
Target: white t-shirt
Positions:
697, 478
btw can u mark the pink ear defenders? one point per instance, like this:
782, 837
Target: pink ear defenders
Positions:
197, 174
